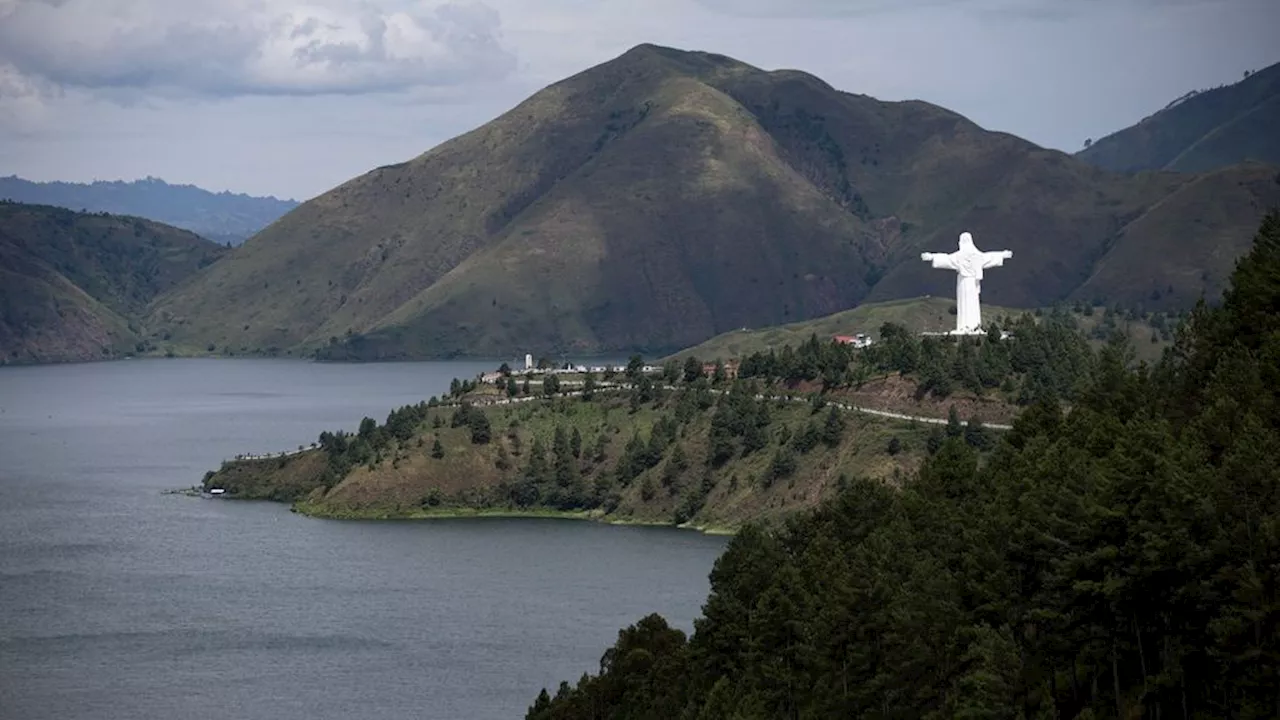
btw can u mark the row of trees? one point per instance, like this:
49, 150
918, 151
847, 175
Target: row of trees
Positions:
1045, 357
1119, 561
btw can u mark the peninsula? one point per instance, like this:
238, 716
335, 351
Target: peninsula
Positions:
704, 444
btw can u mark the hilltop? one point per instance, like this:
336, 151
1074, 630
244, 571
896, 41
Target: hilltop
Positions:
74, 285
665, 196
1148, 332
1201, 131
223, 217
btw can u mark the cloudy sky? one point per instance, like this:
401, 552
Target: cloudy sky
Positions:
291, 97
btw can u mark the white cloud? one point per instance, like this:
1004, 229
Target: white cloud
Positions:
252, 47
207, 107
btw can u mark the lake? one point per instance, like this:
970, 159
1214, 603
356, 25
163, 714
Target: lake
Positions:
120, 601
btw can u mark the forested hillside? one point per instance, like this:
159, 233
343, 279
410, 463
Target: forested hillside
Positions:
1120, 560
683, 443
73, 285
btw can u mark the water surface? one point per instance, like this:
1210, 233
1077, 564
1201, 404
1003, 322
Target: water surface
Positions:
119, 601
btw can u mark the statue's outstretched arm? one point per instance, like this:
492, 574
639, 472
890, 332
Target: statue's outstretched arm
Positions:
995, 259
940, 260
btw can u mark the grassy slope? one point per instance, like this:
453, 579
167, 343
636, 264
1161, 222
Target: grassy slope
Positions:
1210, 130
400, 485
75, 283
1211, 215
664, 197
916, 314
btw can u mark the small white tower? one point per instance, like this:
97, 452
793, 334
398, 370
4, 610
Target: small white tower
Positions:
528, 361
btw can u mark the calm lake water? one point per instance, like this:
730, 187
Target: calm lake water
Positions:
119, 601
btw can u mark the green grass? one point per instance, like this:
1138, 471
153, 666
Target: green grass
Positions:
917, 315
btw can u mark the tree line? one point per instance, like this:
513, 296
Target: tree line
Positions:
1121, 560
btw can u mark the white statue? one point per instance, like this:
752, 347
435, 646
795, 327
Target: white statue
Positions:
968, 262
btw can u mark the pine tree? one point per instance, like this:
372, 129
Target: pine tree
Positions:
954, 428
437, 450
833, 428
692, 369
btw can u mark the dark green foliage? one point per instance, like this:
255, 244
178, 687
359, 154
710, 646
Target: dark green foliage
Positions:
783, 464
954, 428
976, 435
1117, 561
437, 450
643, 669
894, 447
635, 368
719, 375
1049, 358
738, 416
833, 428
550, 384
692, 369
807, 439
481, 433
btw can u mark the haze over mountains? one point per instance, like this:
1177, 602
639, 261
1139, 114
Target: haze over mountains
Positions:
1201, 131
223, 217
665, 196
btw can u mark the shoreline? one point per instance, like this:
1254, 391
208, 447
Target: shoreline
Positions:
310, 510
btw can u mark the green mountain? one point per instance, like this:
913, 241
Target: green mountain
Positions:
666, 196
1200, 131
73, 285
1114, 561
222, 217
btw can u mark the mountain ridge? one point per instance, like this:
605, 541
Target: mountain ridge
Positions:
75, 284
1200, 131
665, 196
224, 217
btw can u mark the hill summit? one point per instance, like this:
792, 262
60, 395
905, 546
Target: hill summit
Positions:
1202, 130
665, 196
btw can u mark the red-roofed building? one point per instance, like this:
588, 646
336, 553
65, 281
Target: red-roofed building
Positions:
860, 340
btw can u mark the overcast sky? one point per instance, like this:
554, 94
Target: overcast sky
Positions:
292, 97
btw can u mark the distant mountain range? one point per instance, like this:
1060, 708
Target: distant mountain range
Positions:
1201, 131
665, 196
222, 217
73, 286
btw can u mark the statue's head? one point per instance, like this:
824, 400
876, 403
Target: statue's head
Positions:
966, 242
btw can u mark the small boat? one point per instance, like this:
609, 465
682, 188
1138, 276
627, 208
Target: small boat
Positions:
217, 491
